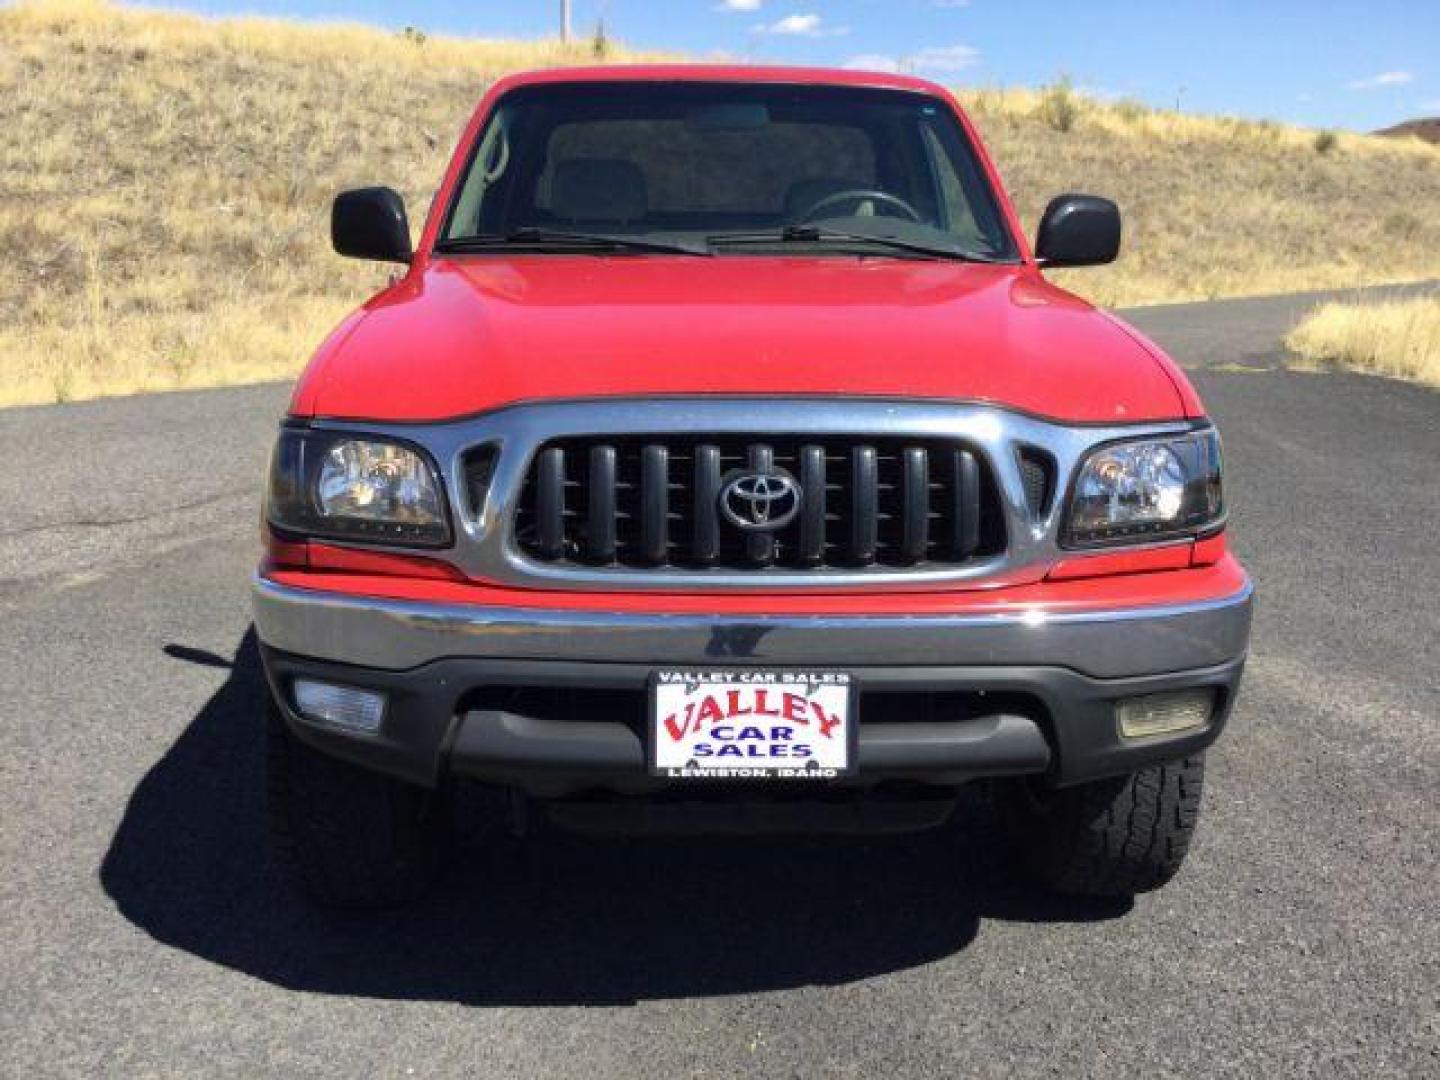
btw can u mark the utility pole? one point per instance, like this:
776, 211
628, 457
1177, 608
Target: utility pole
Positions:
565, 21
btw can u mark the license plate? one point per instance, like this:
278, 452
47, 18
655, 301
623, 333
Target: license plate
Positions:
751, 724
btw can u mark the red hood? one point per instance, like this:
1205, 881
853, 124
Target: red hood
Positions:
467, 335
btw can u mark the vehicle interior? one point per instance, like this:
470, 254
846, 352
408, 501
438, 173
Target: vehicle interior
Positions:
705, 160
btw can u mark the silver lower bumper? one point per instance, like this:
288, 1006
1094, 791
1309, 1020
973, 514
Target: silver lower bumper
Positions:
396, 635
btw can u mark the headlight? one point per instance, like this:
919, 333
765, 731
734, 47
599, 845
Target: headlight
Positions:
367, 488
1146, 489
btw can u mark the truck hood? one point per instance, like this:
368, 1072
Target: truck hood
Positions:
470, 334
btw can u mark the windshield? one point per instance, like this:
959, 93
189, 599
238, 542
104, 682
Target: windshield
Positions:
726, 168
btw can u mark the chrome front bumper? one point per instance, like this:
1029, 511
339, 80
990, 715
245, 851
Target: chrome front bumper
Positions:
396, 635
439, 667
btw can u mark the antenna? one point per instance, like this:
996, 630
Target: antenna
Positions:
565, 21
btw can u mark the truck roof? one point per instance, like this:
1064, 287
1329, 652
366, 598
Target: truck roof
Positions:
743, 73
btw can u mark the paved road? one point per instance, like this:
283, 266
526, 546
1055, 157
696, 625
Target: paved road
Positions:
145, 932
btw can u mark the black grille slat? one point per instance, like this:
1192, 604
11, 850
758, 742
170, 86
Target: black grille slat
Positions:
551, 503
705, 540
966, 512
654, 502
643, 501
916, 503
600, 514
864, 504
811, 547
760, 546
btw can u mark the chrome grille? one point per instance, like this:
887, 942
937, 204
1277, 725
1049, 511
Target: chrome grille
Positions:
655, 501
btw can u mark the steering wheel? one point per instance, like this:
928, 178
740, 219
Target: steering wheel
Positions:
860, 195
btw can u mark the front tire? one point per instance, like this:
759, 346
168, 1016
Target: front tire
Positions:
350, 837
1113, 837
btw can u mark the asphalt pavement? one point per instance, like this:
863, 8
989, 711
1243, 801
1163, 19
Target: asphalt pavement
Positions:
146, 932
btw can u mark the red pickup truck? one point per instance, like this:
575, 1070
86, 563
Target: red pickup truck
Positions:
722, 460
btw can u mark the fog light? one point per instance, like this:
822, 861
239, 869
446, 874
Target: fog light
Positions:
339, 706
1164, 714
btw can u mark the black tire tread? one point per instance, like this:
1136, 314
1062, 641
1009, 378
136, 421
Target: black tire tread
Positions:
349, 837
1113, 837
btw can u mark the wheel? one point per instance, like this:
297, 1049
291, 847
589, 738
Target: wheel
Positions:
350, 837
859, 195
1113, 837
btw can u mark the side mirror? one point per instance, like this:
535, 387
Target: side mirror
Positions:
1078, 230
370, 223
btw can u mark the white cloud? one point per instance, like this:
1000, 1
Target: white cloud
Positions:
738, 5
804, 25
1431, 106
808, 25
951, 3
873, 62
1385, 78
943, 59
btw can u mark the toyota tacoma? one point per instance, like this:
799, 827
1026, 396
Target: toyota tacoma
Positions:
722, 460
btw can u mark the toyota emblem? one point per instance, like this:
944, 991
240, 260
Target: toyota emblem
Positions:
760, 502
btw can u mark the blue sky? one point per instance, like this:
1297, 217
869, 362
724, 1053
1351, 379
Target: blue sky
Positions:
1348, 64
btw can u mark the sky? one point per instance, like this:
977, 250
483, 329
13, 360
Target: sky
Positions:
1358, 65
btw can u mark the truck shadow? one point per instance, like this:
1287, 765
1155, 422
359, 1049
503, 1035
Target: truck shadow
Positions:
554, 919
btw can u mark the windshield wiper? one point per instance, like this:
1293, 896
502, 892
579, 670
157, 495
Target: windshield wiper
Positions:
810, 234
534, 236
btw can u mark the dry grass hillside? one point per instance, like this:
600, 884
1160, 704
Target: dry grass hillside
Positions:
165, 182
1215, 206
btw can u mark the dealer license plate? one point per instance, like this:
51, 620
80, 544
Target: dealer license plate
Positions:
751, 724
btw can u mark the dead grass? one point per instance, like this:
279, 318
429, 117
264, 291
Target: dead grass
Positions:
1398, 338
1216, 206
165, 182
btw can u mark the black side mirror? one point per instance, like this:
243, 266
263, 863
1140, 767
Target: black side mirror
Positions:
370, 223
1078, 230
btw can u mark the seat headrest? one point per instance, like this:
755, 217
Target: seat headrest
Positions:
598, 189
